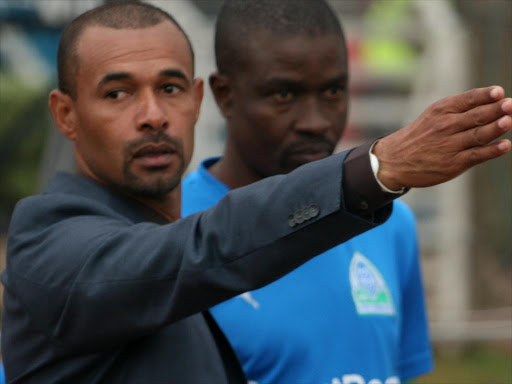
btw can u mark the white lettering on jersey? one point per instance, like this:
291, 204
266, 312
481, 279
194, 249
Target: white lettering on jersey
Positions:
353, 379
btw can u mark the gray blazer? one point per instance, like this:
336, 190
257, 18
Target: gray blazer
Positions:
99, 289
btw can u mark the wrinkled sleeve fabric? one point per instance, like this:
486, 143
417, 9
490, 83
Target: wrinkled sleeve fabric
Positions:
90, 278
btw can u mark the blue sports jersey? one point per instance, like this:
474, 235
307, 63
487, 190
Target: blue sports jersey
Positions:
352, 315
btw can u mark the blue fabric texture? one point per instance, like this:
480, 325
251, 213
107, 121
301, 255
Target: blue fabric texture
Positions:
351, 315
2, 373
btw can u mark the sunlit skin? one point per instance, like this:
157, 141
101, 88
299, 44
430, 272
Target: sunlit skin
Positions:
132, 123
283, 108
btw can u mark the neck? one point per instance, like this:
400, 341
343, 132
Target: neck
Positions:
168, 206
232, 170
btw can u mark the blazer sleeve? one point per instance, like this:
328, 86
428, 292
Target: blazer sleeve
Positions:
89, 278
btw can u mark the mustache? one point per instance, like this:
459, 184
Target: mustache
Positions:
174, 144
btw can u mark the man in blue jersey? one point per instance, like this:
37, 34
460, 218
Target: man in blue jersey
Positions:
355, 314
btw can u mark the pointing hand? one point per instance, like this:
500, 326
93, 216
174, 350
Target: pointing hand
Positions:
449, 137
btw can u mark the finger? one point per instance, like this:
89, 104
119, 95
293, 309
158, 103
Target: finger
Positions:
472, 99
483, 135
476, 155
485, 114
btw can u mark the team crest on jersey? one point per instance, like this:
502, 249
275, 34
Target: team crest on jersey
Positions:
369, 289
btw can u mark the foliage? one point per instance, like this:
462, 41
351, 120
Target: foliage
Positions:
23, 128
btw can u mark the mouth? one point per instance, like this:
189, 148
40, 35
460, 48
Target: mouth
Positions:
154, 155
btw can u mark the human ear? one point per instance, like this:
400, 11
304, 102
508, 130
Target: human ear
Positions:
221, 89
62, 108
198, 95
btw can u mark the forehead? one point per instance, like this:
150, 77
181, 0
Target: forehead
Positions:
298, 55
103, 49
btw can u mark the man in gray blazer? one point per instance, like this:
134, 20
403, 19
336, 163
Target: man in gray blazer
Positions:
106, 284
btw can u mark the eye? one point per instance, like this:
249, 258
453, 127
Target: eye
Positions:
115, 95
282, 96
334, 91
171, 88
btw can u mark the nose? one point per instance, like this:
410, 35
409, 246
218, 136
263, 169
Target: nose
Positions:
311, 118
150, 113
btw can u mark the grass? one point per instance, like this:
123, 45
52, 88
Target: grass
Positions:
476, 364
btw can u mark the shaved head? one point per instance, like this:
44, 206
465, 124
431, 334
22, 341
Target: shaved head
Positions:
238, 20
117, 15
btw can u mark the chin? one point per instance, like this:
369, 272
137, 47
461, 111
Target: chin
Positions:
152, 186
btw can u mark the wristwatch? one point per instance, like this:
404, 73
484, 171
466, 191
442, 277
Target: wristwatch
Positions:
374, 162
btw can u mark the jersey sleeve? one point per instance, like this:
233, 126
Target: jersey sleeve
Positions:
415, 349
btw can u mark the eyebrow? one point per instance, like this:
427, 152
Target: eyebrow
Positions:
109, 77
292, 83
172, 73
341, 79
117, 76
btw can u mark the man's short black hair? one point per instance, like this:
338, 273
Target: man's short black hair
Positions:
119, 15
237, 19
